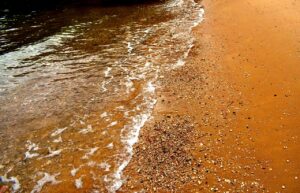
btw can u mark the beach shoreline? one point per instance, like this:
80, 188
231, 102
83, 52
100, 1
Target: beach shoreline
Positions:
239, 93
143, 98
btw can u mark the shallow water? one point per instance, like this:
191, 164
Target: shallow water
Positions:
77, 87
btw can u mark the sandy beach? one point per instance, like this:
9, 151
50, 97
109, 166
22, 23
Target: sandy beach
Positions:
121, 99
228, 121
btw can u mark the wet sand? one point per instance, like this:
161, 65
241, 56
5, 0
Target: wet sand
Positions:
228, 121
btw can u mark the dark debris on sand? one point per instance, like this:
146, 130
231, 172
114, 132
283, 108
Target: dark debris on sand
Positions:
163, 158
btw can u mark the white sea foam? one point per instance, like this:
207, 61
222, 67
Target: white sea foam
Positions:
176, 3
78, 183
12, 180
31, 147
107, 72
112, 124
90, 153
129, 136
104, 132
103, 86
16, 184
91, 164
148, 64
105, 166
103, 115
129, 48
44, 180
200, 17
29, 155
110, 146
74, 171
53, 153
150, 87
181, 61
89, 129
129, 86
15, 58
58, 140
58, 131
120, 107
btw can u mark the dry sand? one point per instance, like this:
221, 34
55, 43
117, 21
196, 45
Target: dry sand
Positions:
229, 120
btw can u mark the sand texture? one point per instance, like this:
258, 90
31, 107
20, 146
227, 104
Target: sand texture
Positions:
228, 121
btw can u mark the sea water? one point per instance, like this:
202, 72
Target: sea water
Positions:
76, 87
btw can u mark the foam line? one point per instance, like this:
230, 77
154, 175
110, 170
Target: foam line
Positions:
45, 180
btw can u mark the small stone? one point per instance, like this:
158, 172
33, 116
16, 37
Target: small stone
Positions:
296, 177
283, 187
